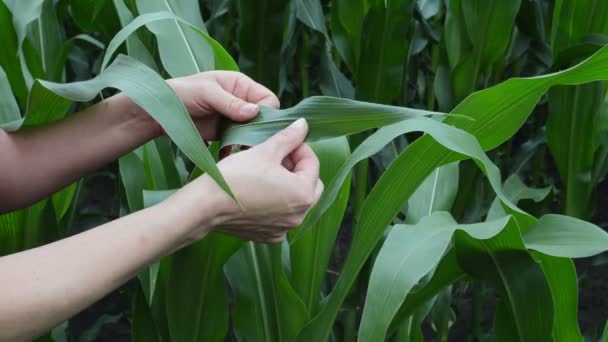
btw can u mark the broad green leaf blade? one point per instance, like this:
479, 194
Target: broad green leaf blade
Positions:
562, 279
181, 50
408, 254
498, 112
347, 18
260, 37
266, 307
46, 37
384, 47
456, 140
9, 54
568, 237
516, 190
310, 13
132, 176
327, 117
135, 47
504, 261
223, 60
310, 255
197, 304
574, 20
95, 16
436, 193
148, 90
573, 136
24, 12
10, 116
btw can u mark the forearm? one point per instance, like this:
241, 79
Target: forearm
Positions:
36, 162
44, 286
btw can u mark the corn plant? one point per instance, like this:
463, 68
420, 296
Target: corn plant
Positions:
436, 123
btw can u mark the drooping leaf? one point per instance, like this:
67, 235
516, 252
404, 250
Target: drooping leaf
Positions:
327, 117
10, 117
182, 51
223, 61
150, 92
436, 193
415, 251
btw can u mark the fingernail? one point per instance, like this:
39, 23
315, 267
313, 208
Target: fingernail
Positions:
249, 108
301, 122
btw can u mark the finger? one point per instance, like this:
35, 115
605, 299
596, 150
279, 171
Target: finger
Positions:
306, 163
287, 140
318, 191
243, 87
207, 127
231, 106
288, 163
277, 239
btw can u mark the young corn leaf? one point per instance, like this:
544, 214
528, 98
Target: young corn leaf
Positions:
149, 91
9, 55
310, 255
181, 50
497, 112
347, 17
327, 117
10, 117
46, 37
436, 193
135, 47
567, 237
260, 37
384, 47
223, 60
416, 250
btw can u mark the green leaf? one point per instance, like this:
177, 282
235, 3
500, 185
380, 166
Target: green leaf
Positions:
266, 307
408, 254
260, 37
327, 117
181, 50
516, 190
10, 117
562, 279
132, 176
95, 16
197, 305
135, 47
347, 17
436, 193
498, 112
310, 13
384, 46
310, 254
46, 37
564, 236
223, 61
150, 92
9, 54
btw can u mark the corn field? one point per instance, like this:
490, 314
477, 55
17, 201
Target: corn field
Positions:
463, 147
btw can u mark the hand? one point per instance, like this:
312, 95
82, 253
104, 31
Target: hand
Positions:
209, 95
275, 196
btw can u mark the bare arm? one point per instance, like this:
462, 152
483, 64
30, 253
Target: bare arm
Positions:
44, 286
37, 162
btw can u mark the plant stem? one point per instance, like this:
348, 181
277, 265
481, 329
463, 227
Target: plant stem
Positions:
350, 319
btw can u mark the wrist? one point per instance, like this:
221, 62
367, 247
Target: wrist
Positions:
135, 117
196, 210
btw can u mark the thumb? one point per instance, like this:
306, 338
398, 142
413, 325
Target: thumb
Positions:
287, 140
231, 106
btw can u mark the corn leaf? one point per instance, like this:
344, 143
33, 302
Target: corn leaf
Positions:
497, 112
150, 92
10, 117
260, 37
223, 61
327, 117
310, 255
564, 236
416, 250
436, 193
181, 50
46, 37
9, 58
135, 47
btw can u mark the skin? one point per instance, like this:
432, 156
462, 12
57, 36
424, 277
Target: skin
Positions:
44, 286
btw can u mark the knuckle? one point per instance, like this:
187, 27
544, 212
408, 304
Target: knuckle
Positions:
295, 221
